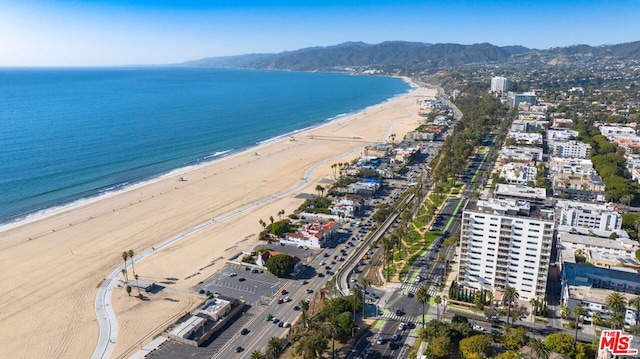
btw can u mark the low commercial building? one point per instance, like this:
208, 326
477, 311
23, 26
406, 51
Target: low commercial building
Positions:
579, 187
312, 235
589, 286
195, 328
518, 173
520, 154
535, 196
526, 138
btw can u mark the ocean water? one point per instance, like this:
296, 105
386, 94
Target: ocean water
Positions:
71, 134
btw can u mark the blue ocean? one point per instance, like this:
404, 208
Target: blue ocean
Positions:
71, 134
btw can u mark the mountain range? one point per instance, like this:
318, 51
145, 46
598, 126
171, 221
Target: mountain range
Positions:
417, 55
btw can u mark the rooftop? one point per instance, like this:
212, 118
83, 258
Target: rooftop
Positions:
577, 274
520, 190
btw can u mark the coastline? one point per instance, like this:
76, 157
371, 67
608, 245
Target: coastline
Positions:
51, 280
118, 188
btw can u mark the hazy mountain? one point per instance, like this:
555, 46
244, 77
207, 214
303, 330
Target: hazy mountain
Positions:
409, 55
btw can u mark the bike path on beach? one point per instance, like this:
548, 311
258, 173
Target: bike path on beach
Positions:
106, 316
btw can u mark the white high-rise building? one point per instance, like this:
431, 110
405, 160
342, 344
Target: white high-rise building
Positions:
499, 84
505, 243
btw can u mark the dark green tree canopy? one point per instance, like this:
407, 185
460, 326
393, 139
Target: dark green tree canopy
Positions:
281, 265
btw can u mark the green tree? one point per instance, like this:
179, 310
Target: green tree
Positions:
280, 265
617, 304
560, 343
125, 256
274, 348
128, 290
538, 349
515, 338
257, 354
422, 297
311, 346
320, 190
509, 354
510, 297
364, 282
437, 300
304, 309
133, 269
477, 346
635, 304
564, 311
441, 347
578, 312
596, 318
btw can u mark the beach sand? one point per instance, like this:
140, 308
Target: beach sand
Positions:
52, 266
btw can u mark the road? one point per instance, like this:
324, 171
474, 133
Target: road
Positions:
107, 320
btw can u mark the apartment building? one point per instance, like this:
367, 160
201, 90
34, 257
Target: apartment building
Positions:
505, 243
588, 215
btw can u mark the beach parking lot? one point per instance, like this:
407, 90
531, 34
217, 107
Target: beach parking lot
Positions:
254, 288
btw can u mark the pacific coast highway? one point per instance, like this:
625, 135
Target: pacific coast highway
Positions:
106, 316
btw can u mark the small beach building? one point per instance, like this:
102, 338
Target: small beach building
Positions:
312, 235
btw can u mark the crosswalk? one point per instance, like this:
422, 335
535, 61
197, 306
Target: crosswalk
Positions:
399, 318
413, 288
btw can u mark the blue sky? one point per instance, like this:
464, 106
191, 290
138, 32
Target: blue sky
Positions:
121, 32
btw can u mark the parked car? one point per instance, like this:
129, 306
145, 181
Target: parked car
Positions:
478, 328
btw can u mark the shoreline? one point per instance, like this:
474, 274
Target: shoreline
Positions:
193, 165
50, 283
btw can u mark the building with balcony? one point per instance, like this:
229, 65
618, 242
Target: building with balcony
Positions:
588, 215
505, 243
499, 84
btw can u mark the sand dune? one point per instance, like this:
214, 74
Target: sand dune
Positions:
51, 266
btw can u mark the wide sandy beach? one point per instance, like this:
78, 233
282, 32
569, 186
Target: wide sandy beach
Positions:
52, 266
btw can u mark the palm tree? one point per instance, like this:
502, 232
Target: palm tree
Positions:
534, 307
128, 290
578, 311
564, 311
510, 296
387, 246
125, 256
320, 190
364, 282
617, 304
271, 219
635, 304
422, 297
539, 349
304, 308
257, 354
332, 322
133, 269
126, 275
437, 299
311, 346
596, 318
274, 347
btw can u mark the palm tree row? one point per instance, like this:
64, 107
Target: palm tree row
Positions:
129, 255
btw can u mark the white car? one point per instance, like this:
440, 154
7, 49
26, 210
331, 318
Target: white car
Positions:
233, 274
380, 340
402, 326
478, 328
